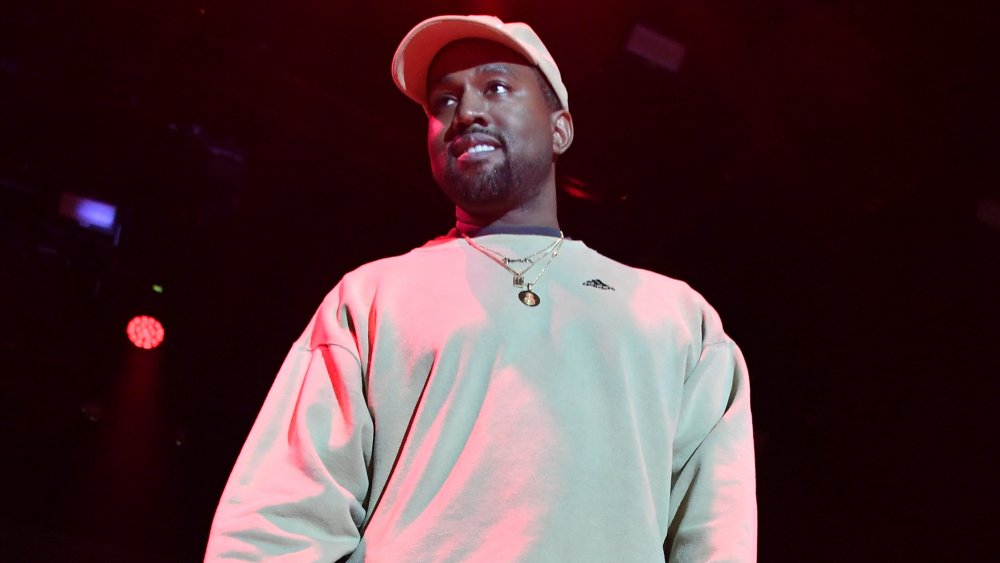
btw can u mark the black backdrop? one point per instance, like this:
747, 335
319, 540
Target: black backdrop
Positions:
824, 172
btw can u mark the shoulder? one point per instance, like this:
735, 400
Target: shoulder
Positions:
658, 298
347, 306
361, 284
656, 287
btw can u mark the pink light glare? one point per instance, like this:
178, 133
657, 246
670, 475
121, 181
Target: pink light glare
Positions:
145, 332
474, 467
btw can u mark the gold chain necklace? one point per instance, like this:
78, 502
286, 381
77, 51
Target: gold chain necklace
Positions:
528, 297
527, 259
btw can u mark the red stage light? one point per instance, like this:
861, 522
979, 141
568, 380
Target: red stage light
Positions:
145, 332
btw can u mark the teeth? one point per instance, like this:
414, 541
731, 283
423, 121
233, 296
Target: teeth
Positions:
481, 148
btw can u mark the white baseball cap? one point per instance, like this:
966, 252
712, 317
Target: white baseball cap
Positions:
417, 50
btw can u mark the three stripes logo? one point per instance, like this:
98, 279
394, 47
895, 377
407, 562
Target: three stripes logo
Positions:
598, 284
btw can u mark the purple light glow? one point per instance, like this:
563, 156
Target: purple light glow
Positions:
88, 213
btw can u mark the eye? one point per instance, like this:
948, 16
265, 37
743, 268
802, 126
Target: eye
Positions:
497, 87
439, 102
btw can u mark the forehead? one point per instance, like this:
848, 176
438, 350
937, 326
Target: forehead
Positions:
474, 54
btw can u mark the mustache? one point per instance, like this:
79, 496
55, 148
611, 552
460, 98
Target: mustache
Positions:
481, 130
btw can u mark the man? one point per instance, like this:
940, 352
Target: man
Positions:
501, 393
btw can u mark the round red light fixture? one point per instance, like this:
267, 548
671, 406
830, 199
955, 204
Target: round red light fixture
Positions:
145, 332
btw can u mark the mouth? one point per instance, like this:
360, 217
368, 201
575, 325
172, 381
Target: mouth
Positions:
474, 146
478, 152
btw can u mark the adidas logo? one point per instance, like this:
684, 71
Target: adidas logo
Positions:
598, 284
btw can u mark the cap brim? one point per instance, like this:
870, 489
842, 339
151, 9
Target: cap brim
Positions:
417, 50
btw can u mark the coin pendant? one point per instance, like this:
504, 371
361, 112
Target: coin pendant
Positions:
529, 298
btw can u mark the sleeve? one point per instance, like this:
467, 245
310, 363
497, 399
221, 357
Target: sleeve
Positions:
298, 488
713, 506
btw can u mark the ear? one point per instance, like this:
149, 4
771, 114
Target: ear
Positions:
562, 131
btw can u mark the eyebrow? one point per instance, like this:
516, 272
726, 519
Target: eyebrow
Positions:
488, 68
496, 68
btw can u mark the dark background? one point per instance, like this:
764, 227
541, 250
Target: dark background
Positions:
825, 172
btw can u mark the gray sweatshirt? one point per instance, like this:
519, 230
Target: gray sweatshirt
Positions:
427, 414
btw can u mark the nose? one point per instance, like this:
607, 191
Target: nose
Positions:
471, 110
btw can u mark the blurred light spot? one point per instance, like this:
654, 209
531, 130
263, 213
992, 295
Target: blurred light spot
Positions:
89, 213
656, 48
578, 188
94, 411
145, 332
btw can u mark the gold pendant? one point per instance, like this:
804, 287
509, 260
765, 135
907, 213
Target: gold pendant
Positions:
529, 298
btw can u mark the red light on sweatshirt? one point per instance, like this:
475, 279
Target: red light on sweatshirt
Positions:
145, 332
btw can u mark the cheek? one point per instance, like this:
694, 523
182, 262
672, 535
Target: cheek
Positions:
435, 142
535, 136
533, 125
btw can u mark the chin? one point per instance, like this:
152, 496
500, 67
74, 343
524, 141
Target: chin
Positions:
483, 206
486, 190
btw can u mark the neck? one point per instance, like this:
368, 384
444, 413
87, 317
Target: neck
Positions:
541, 212
475, 224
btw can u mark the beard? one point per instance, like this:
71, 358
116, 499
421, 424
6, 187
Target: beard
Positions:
510, 183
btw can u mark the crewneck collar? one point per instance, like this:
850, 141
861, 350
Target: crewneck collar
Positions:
508, 230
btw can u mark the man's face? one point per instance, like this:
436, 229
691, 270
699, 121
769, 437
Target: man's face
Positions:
489, 134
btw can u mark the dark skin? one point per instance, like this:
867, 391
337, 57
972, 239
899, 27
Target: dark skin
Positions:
492, 138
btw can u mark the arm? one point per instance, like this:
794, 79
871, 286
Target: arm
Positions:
713, 506
297, 490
